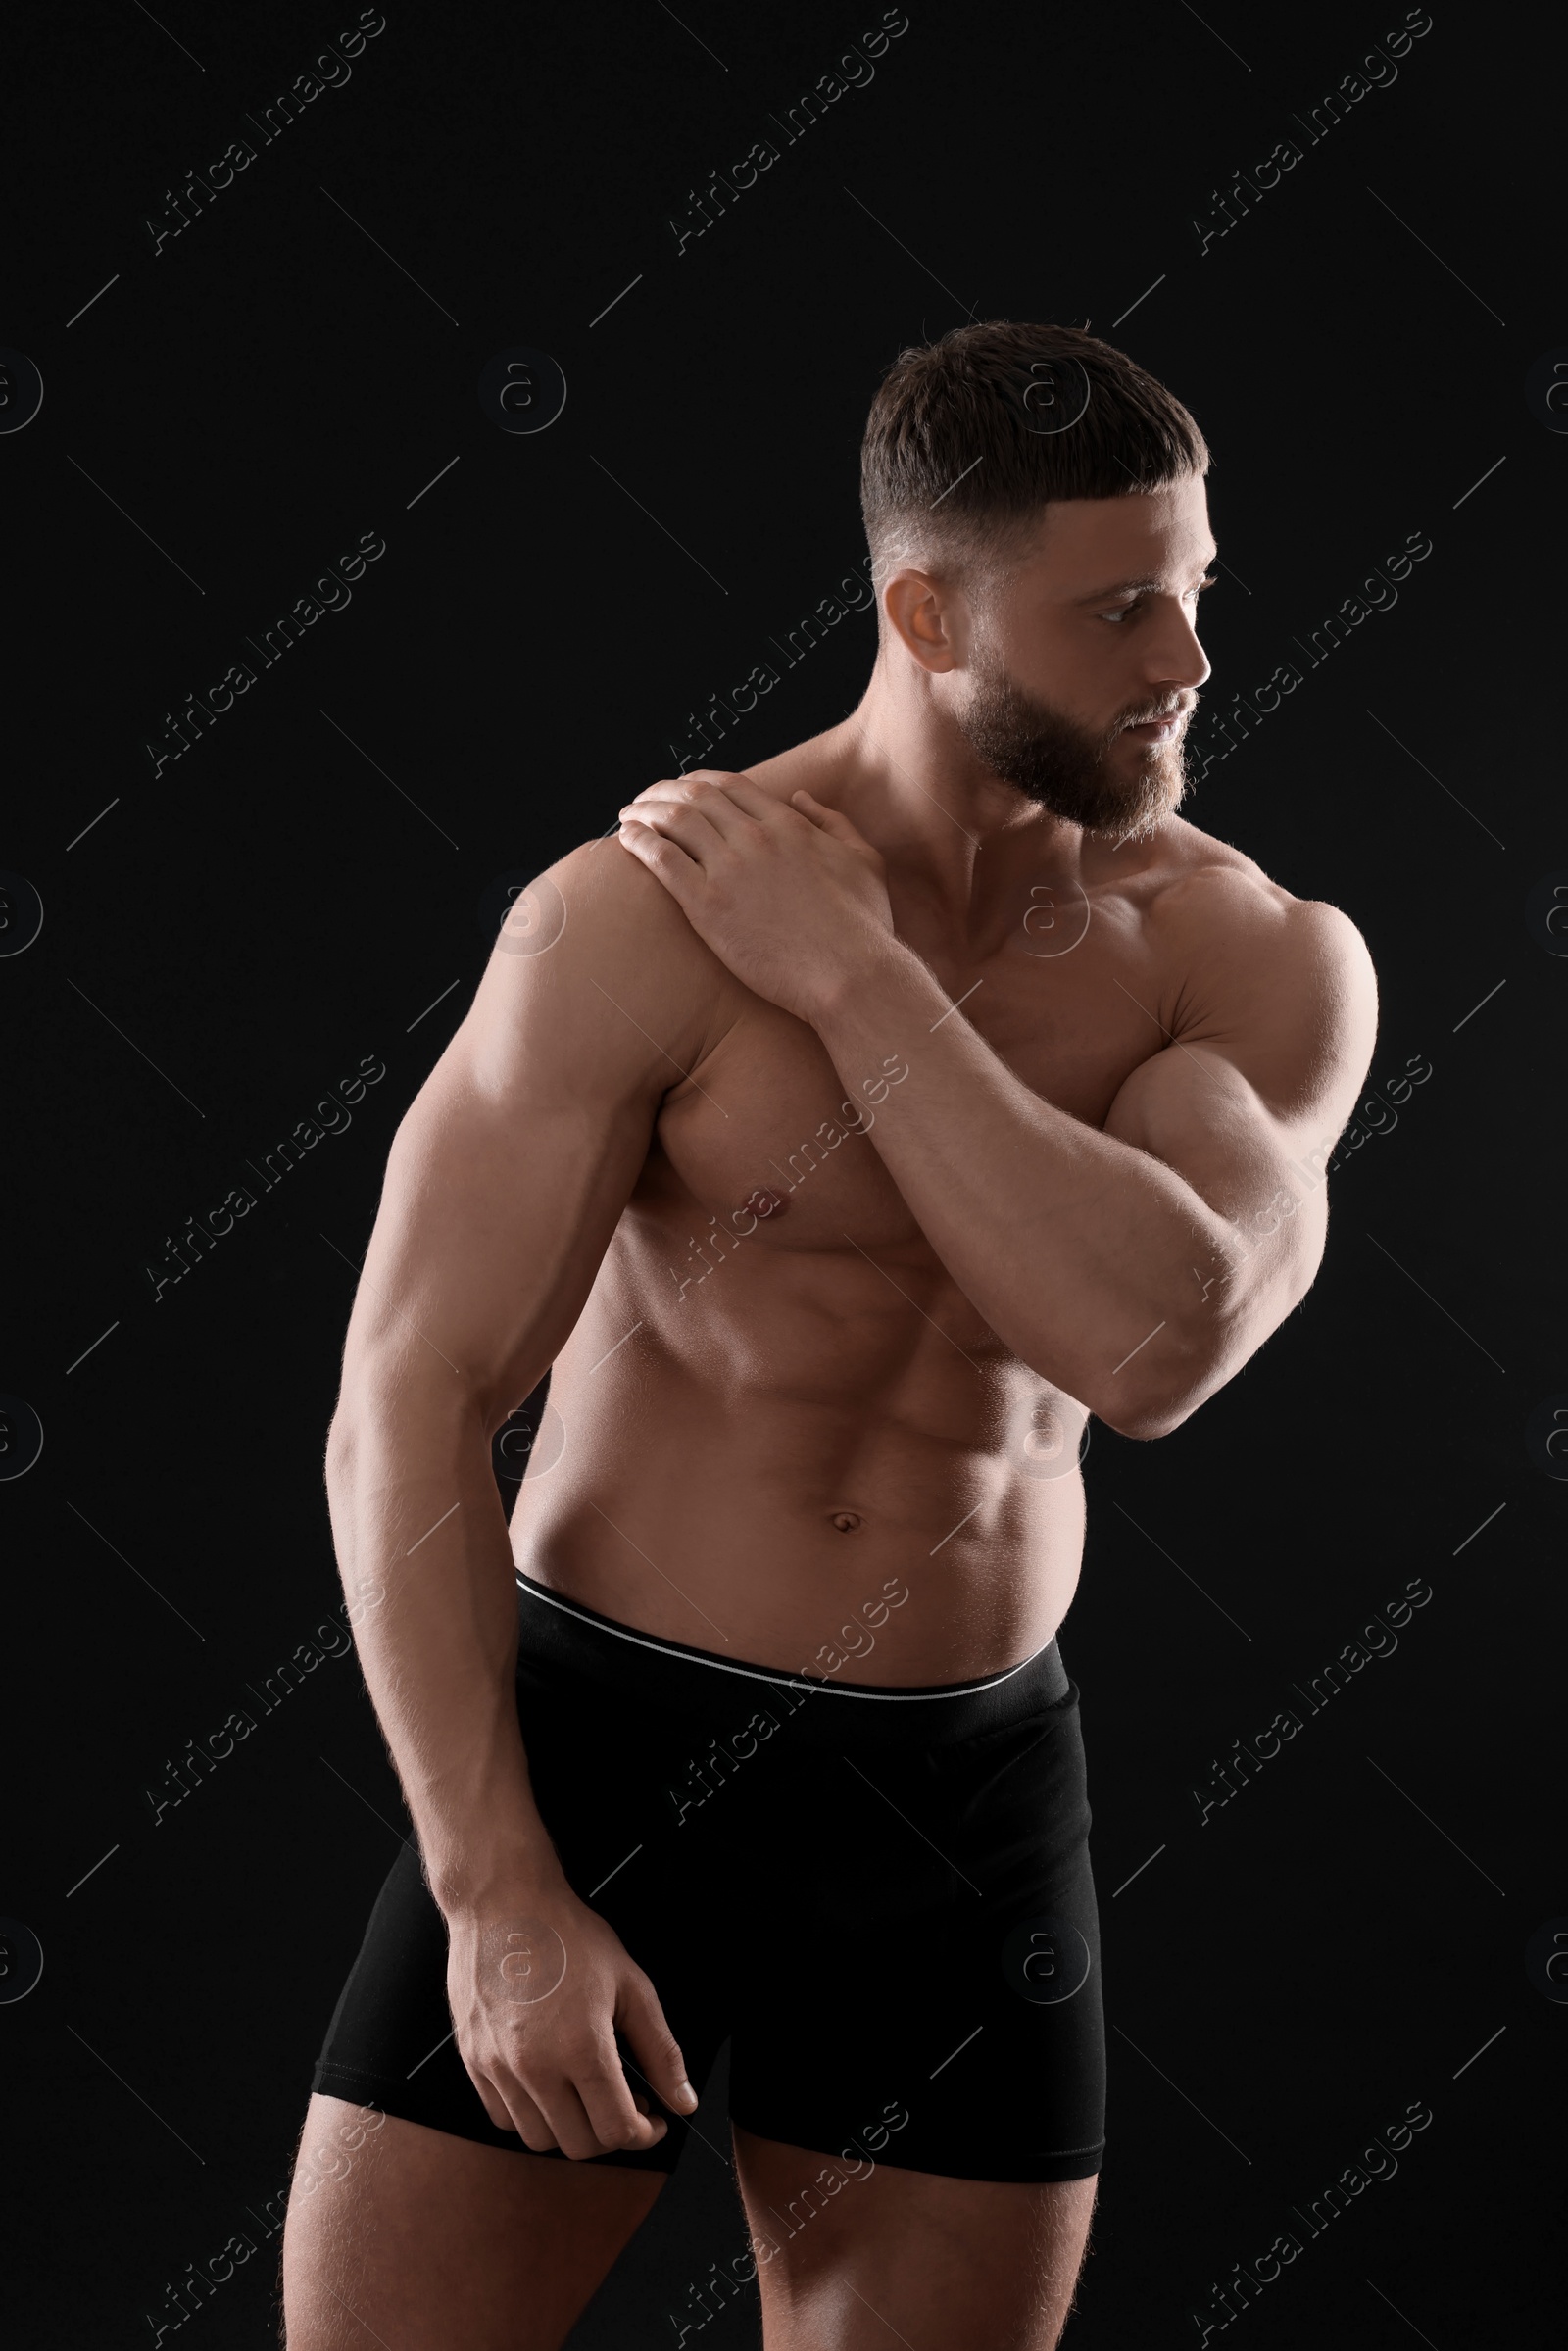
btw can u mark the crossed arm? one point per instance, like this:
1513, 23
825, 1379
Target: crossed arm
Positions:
1137, 1267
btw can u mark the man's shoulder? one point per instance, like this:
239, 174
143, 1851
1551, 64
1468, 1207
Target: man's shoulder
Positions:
603, 921
1253, 962
1212, 893
604, 889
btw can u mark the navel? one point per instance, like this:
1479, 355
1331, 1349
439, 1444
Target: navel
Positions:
762, 1203
846, 1521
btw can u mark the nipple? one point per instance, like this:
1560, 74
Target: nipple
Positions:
762, 1203
846, 1521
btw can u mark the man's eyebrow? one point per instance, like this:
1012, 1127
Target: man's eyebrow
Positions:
1133, 587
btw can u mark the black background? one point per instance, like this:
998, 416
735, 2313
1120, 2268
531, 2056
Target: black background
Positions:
224, 939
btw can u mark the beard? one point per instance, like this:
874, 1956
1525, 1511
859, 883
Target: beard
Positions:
1064, 768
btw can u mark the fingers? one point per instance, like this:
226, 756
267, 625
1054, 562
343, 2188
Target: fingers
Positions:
703, 817
514, 2111
642, 2021
588, 2112
731, 804
614, 2116
664, 860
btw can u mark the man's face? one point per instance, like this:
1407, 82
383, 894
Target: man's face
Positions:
1087, 641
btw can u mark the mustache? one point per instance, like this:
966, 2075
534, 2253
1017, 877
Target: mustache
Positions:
1175, 709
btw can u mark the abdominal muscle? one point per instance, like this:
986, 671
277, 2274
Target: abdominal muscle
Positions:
819, 1481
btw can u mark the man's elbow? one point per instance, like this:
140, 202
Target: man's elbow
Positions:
1151, 1422
1165, 1392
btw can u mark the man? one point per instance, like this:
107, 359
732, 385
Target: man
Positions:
843, 1133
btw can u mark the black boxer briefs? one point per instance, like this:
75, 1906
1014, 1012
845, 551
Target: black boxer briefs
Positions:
881, 1896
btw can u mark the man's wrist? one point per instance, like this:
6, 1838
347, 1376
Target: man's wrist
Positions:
848, 986
504, 1878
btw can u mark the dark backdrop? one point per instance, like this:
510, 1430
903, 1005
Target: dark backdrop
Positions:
236, 938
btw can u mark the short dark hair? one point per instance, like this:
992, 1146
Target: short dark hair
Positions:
969, 436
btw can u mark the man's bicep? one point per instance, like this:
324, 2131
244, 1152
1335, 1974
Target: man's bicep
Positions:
510, 1171
1248, 1102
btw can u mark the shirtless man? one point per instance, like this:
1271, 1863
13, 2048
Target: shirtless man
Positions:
845, 1134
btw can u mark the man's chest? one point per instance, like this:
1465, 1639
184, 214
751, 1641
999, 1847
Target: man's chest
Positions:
767, 1119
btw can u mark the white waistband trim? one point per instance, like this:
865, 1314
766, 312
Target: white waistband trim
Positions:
756, 1673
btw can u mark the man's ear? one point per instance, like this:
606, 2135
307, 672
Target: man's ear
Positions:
915, 607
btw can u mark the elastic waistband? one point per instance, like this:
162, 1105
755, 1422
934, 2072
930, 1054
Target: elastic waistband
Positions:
560, 1636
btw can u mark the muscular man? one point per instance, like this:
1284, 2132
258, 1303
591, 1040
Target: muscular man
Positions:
842, 1135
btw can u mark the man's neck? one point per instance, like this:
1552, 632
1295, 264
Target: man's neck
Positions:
950, 828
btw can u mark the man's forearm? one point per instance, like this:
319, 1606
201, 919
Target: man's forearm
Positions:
1074, 1246
426, 1564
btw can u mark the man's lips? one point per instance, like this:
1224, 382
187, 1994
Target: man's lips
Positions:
1157, 729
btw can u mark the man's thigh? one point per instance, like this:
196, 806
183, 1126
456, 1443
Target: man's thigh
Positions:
913, 2256
402, 2235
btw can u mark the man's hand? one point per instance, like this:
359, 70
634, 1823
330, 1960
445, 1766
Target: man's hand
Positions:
537, 1984
791, 898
